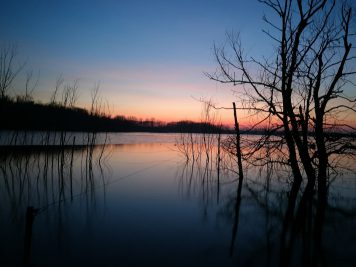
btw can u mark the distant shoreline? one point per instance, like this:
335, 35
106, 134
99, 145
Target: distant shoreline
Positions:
25, 116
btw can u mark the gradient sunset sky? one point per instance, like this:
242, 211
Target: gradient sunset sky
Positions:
148, 56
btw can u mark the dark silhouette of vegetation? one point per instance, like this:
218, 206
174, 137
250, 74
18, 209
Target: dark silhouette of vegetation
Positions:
8, 70
43, 179
21, 112
29, 115
271, 198
301, 93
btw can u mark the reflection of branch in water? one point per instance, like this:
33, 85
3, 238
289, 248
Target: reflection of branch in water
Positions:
308, 222
303, 220
295, 209
30, 216
299, 210
236, 217
239, 187
29, 178
185, 178
203, 175
286, 239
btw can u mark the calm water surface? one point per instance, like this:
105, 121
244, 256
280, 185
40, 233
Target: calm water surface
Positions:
142, 204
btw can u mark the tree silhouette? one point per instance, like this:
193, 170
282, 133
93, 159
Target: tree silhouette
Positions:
8, 70
302, 97
301, 92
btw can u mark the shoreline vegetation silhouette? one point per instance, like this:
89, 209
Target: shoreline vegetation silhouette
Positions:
20, 115
27, 115
302, 90
19, 111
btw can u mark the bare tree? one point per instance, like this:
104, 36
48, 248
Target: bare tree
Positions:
302, 98
30, 86
301, 92
59, 83
70, 94
95, 100
8, 70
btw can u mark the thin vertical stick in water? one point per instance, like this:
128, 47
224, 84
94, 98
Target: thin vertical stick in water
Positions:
30, 216
238, 148
103, 148
239, 188
71, 170
218, 161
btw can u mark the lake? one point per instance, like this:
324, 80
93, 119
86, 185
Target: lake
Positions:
136, 200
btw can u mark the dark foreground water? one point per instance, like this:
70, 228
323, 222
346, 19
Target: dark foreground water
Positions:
140, 203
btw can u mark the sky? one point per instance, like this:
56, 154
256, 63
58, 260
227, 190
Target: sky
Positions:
149, 57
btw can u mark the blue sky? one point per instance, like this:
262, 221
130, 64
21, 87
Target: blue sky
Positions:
149, 56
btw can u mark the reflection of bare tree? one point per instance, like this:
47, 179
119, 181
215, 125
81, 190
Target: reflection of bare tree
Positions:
294, 214
48, 177
236, 216
205, 177
300, 216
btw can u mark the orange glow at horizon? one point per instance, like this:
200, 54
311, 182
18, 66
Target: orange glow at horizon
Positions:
174, 113
155, 91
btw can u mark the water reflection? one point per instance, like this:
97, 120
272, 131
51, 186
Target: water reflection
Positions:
49, 176
297, 214
44, 181
146, 204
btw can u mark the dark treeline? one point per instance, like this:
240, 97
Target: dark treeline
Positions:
28, 115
